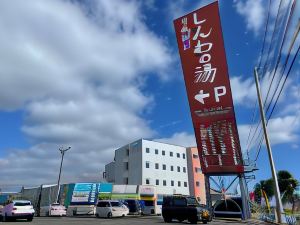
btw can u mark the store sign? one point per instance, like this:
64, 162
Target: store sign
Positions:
85, 193
204, 65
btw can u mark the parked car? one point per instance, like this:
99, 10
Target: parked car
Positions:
55, 209
133, 206
17, 209
183, 208
111, 208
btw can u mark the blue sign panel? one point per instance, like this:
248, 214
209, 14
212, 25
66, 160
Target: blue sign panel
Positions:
85, 194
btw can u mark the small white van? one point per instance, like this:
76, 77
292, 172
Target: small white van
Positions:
111, 208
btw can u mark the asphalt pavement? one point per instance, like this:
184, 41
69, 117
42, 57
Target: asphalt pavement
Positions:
146, 220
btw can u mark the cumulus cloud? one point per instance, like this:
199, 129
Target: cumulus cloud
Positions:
76, 70
254, 13
182, 138
178, 8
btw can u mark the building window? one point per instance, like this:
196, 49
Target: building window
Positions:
172, 168
172, 183
126, 165
147, 164
126, 180
163, 152
178, 155
171, 154
198, 170
156, 166
157, 182
164, 183
185, 184
197, 183
156, 151
183, 155
147, 181
179, 184
147, 150
164, 167
195, 156
184, 169
127, 151
178, 168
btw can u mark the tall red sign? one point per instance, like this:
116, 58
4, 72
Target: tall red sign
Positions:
203, 59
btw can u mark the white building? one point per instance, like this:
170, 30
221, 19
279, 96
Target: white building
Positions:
148, 162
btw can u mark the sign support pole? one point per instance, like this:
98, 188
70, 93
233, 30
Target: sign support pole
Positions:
279, 208
207, 191
244, 195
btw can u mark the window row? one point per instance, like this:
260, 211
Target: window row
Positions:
163, 152
164, 183
164, 167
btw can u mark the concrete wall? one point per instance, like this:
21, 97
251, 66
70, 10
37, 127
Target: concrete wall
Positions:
196, 177
128, 164
110, 172
159, 174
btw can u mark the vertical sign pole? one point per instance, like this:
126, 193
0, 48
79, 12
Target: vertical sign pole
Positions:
244, 193
207, 191
279, 208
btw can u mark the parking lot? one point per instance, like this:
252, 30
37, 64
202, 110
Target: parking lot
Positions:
119, 221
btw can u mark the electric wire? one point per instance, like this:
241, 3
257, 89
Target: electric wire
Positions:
281, 48
290, 13
280, 92
266, 65
265, 34
254, 114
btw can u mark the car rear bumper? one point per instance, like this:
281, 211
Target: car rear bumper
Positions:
58, 213
22, 215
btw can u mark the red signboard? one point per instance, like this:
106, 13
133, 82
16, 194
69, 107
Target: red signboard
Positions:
204, 65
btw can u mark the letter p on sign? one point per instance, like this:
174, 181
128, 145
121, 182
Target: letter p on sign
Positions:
219, 91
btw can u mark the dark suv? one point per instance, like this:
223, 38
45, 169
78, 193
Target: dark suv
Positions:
183, 208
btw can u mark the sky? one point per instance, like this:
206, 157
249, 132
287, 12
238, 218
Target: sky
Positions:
96, 75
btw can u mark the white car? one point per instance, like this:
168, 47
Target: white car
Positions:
111, 208
54, 209
17, 209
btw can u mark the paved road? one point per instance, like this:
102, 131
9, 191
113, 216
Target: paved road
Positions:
118, 221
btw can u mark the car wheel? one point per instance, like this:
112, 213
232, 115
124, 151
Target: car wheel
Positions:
168, 220
204, 222
109, 215
30, 219
193, 220
97, 215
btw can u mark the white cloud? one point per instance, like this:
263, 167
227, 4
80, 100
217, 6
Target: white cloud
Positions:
178, 8
75, 70
181, 138
254, 13
280, 130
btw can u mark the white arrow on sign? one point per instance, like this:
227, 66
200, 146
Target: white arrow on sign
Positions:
201, 96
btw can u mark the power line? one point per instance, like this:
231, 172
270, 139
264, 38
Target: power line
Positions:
265, 67
265, 34
280, 92
290, 12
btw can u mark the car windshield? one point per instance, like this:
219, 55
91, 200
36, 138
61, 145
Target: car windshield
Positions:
21, 203
116, 204
192, 201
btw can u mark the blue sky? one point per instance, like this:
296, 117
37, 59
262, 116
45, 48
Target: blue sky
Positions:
96, 75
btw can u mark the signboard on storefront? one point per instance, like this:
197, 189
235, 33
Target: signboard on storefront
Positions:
203, 59
85, 194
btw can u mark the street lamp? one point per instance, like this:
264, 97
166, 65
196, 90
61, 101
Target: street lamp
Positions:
62, 151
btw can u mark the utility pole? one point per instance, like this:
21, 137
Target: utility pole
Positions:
62, 151
279, 208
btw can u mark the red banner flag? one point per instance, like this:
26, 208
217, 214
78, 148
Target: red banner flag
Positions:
203, 59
